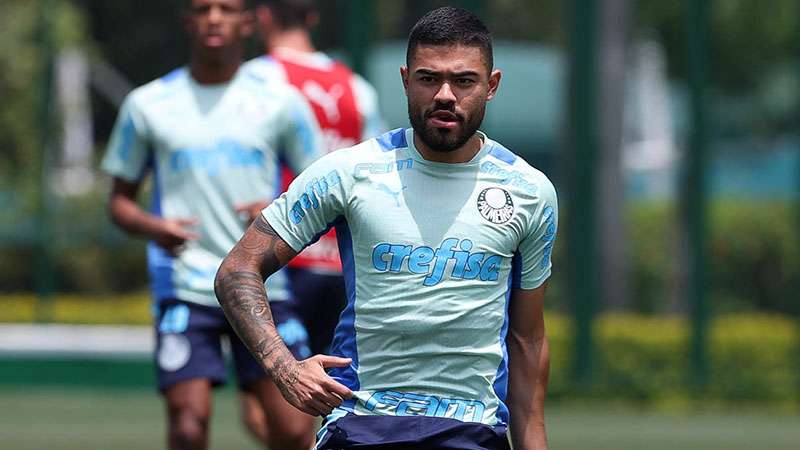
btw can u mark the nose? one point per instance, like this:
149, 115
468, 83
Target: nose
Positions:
445, 94
215, 14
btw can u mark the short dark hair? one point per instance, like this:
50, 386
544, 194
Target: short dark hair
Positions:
451, 26
290, 13
246, 4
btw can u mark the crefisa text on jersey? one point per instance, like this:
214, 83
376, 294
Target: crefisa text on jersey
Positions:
387, 257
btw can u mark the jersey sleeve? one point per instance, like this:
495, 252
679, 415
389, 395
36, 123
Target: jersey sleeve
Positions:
128, 151
367, 102
311, 205
536, 248
301, 141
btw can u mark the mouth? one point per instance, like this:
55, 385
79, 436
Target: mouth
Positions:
213, 40
443, 119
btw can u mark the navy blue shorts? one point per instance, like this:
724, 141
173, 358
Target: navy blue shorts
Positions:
320, 298
189, 343
411, 433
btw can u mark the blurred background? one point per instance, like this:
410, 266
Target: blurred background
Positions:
671, 130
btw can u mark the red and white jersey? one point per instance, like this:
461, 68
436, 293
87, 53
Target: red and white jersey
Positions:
346, 108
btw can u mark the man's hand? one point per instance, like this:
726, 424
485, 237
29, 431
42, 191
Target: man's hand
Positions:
250, 211
174, 233
308, 388
169, 234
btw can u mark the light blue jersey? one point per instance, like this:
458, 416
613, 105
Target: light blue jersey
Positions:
430, 253
210, 148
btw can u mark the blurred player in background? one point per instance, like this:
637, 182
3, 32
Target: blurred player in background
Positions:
211, 135
346, 108
445, 238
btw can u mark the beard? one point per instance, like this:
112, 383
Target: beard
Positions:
444, 140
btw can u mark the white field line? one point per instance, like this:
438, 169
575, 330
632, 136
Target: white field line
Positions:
76, 340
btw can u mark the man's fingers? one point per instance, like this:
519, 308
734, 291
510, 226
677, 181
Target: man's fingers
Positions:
337, 388
307, 410
320, 407
189, 235
187, 222
331, 399
333, 361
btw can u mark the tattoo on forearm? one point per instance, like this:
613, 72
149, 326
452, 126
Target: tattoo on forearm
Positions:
240, 290
244, 301
273, 250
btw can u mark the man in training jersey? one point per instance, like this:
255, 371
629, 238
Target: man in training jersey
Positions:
346, 109
445, 238
211, 135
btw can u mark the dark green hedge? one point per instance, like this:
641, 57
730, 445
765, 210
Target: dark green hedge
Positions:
753, 358
753, 250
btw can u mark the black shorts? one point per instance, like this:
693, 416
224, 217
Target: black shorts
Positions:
189, 343
320, 298
410, 433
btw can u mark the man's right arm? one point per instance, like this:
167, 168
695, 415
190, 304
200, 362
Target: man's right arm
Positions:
239, 287
127, 159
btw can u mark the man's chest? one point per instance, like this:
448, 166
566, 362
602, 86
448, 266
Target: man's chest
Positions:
441, 225
189, 140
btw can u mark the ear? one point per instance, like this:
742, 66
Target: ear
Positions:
312, 21
494, 83
404, 77
186, 22
248, 24
264, 19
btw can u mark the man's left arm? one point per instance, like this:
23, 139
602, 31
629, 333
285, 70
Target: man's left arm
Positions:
528, 368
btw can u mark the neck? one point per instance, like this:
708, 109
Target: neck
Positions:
296, 39
205, 72
463, 154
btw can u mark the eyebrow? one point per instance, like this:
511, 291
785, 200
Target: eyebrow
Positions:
463, 73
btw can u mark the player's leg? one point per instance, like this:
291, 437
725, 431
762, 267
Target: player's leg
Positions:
289, 428
189, 361
253, 417
188, 412
320, 300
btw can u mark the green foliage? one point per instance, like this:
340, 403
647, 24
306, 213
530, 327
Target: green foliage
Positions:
753, 252
645, 359
27, 30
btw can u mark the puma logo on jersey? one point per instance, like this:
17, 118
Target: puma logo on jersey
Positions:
389, 191
327, 100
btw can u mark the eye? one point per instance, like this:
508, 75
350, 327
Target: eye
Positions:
465, 81
426, 79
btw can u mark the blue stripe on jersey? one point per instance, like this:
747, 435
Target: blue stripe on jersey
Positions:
255, 77
344, 339
392, 140
128, 135
305, 131
503, 154
500, 385
172, 76
159, 262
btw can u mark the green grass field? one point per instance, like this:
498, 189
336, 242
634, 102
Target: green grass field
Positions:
117, 419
